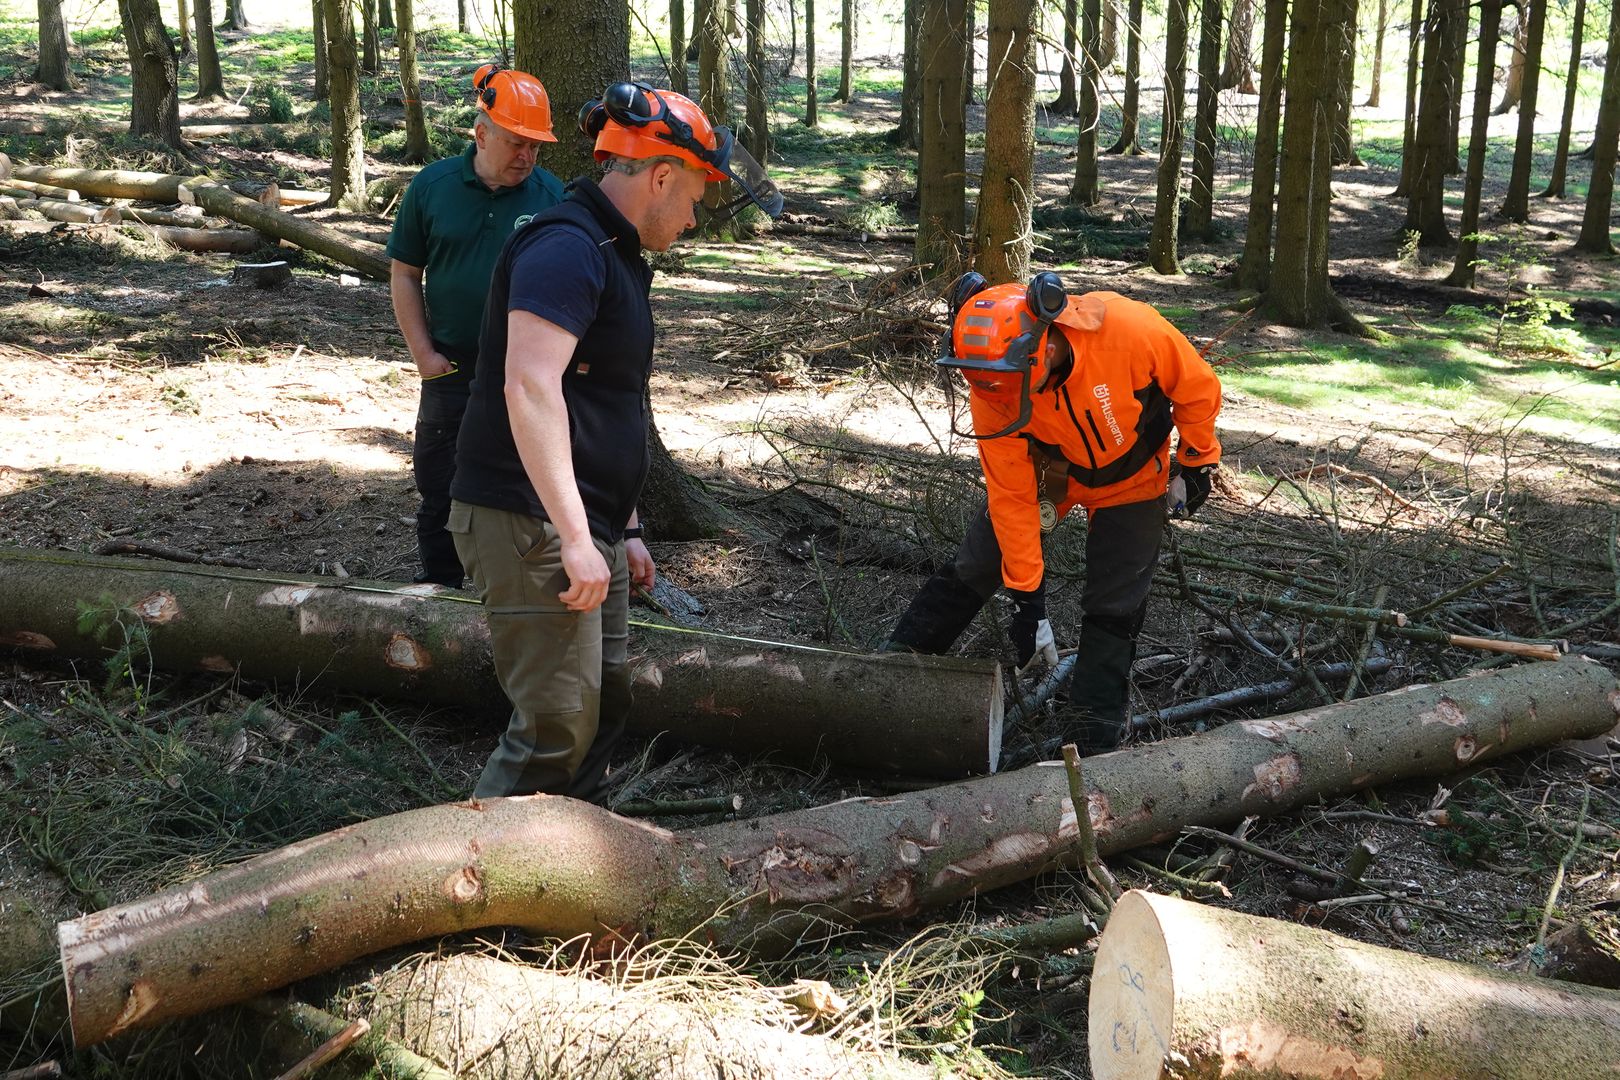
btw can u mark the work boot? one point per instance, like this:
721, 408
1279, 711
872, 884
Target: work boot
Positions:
938, 614
1099, 690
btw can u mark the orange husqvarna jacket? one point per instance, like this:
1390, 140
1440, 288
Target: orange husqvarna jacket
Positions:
1134, 378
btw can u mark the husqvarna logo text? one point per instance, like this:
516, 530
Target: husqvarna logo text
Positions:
1105, 399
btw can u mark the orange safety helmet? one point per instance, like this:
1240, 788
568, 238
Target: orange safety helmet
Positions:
633, 120
999, 337
514, 100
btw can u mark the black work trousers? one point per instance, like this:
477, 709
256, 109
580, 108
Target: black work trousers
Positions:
1122, 548
433, 461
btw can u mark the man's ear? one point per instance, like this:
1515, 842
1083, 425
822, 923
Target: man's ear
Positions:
663, 175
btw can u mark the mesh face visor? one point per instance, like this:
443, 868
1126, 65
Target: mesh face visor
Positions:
749, 175
1016, 361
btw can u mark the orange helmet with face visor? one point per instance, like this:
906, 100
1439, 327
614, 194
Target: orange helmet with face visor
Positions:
633, 120
1000, 335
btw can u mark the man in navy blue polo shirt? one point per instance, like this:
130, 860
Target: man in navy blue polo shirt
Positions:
554, 449
453, 220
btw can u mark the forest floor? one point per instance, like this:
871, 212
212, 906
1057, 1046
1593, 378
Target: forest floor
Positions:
147, 400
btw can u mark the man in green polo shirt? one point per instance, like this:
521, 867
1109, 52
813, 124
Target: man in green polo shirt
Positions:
453, 221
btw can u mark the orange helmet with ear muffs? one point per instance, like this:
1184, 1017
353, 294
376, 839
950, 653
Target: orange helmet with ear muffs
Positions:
633, 120
999, 337
515, 101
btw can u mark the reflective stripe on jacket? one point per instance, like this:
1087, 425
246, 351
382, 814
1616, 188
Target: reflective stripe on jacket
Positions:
1134, 378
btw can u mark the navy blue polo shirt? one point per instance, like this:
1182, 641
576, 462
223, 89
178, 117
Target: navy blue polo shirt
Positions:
578, 265
454, 227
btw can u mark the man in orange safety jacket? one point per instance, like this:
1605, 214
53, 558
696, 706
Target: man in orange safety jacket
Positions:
1073, 400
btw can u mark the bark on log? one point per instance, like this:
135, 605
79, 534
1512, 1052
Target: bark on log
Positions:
226, 241
524, 1021
220, 201
1185, 990
557, 866
45, 191
77, 213
919, 715
174, 218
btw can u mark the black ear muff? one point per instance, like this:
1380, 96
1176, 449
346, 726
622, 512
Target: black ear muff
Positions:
592, 116
966, 288
486, 91
1045, 296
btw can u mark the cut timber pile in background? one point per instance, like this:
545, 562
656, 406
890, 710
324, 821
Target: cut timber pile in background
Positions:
262, 214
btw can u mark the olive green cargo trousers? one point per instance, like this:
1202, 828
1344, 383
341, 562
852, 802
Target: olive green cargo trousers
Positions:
563, 671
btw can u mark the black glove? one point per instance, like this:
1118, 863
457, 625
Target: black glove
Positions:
1031, 633
1189, 488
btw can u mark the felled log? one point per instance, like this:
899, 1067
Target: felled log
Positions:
76, 212
524, 1021
45, 191
227, 241
919, 715
218, 200
1186, 991
557, 866
188, 217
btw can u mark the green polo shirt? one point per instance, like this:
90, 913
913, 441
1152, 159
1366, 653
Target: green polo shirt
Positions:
454, 227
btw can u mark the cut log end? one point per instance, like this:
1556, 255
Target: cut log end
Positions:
270, 275
1130, 1023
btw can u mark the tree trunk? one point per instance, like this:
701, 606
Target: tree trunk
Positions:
1086, 189
210, 80
576, 50
1201, 206
969, 58
1403, 186
677, 47
574, 1025
348, 186
417, 149
712, 94
1108, 36
235, 15
1300, 293
370, 44
1204, 991
1555, 182
561, 867
323, 84
793, 38
1167, 201
53, 69
461, 16
1238, 71
890, 713
1513, 90
846, 64
810, 117
1127, 142
1254, 273
1374, 95
905, 132
1516, 207
942, 157
1490, 22
678, 506
154, 74
1458, 64
385, 15
759, 125
1594, 236
1344, 143
217, 199
183, 22
1001, 231
1431, 144
1067, 103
